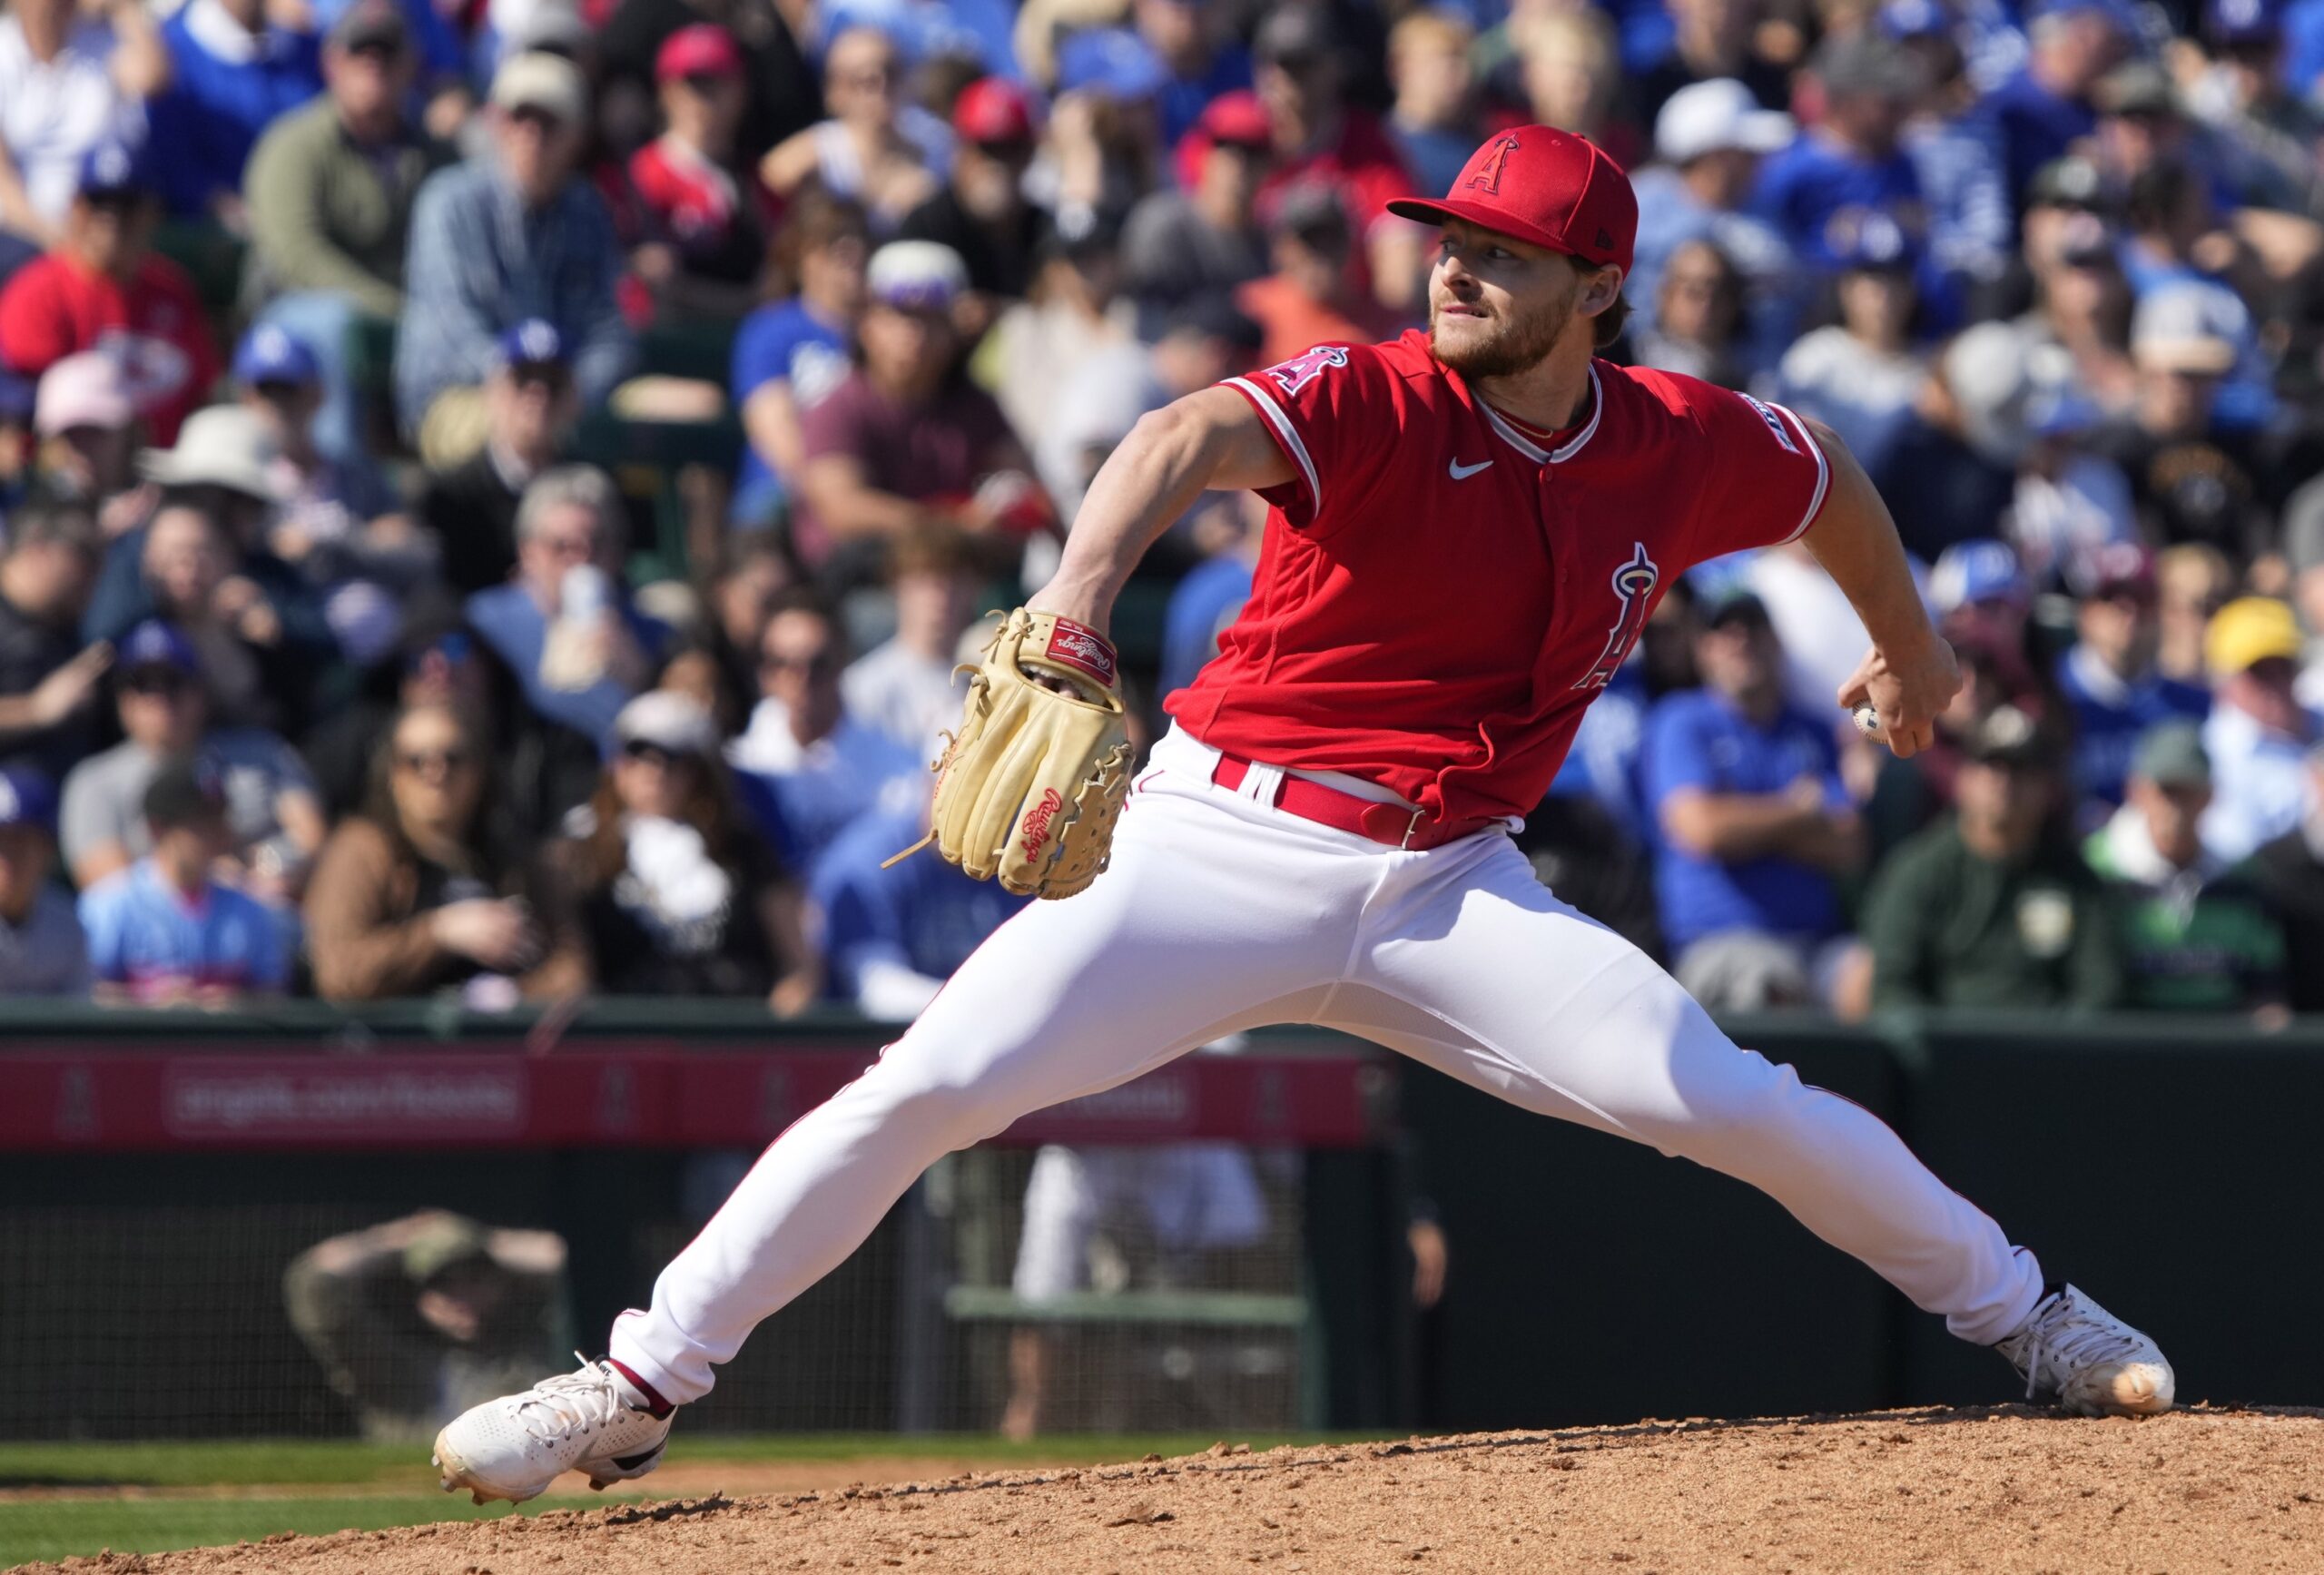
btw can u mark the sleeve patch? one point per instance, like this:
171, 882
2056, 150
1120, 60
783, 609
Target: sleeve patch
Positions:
1300, 370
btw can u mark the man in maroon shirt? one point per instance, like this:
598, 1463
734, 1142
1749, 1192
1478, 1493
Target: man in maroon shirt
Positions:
905, 440
104, 289
1469, 529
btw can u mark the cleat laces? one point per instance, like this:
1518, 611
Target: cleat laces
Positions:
556, 1409
2061, 1335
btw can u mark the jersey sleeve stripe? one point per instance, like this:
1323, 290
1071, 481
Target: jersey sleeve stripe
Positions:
1287, 436
1823, 472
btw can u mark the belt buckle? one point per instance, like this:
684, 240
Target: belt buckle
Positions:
1410, 827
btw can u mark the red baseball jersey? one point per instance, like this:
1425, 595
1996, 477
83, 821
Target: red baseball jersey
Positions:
1438, 595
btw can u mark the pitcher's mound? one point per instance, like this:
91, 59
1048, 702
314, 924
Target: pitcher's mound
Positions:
1985, 1490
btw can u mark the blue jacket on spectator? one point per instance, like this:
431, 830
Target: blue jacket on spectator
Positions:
802, 799
1609, 748
923, 914
2037, 126
227, 85
1963, 177
1698, 739
511, 622
1803, 187
2110, 715
1200, 608
781, 342
481, 262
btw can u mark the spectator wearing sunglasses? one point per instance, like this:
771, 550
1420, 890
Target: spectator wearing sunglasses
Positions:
807, 766
545, 771
428, 889
676, 894
276, 824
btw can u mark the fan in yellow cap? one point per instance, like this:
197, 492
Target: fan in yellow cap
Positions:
2248, 631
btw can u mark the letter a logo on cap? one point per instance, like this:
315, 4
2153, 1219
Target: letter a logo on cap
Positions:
1488, 176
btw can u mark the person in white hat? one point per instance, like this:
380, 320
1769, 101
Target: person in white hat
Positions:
223, 467
87, 425
1709, 140
902, 441
515, 234
677, 895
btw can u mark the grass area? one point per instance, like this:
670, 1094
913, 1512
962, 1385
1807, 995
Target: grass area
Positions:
60, 1528
395, 1486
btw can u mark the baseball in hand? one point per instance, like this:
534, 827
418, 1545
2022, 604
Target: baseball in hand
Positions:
1867, 720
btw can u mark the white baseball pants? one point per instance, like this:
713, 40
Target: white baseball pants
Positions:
1222, 913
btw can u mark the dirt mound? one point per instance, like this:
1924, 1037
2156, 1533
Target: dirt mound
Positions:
1991, 1491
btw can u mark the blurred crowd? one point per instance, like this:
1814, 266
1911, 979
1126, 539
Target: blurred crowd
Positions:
350, 645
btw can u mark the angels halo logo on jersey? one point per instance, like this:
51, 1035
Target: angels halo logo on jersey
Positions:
1300, 370
1633, 584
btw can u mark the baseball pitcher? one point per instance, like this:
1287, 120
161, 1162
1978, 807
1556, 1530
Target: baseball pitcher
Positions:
1468, 528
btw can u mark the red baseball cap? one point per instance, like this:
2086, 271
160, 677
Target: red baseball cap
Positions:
1238, 119
991, 110
699, 49
1545, 186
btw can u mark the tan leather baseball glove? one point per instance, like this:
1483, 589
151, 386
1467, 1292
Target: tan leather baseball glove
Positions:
1029, 789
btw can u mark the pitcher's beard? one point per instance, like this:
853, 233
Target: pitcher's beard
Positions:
1516, 346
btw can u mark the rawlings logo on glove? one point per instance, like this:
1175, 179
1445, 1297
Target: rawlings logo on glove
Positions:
1029, 789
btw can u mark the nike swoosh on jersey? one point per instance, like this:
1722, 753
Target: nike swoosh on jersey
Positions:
1462, 472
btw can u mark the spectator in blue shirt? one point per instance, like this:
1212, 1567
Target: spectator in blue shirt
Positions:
1865, 374
1194, 44
2045, 108
790, 353
162, 932
2112, 690
42, 951
1957, 152
892, 937
1848, 166
1204, 603
1708, 144
233, 71
804, 767
565, 624
515, 234
1752, 819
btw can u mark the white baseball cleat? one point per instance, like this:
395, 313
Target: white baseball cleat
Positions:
592, 1421
2089, 1362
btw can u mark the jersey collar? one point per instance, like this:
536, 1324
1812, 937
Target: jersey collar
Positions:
1563, 451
